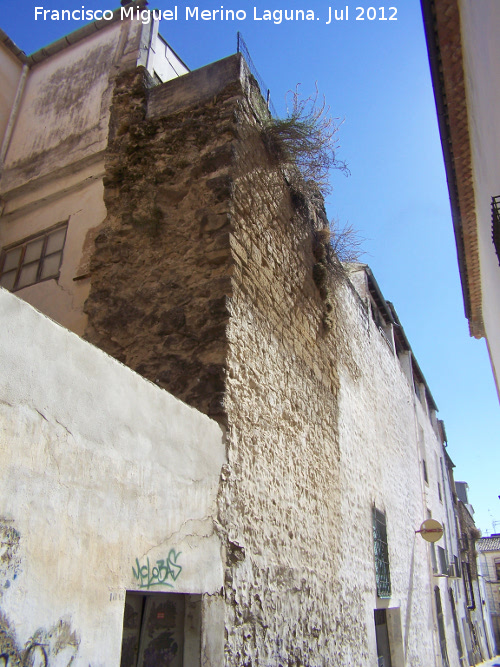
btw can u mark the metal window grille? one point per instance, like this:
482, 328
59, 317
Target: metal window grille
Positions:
495, 224
443, 561
381, 552
34, 259
469, 591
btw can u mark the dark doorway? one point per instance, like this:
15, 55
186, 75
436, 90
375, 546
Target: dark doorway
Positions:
382, 635
155, 632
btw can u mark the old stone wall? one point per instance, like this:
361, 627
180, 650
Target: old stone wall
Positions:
161, 267
202, 280
280, 502
380, 465
323, 426
209, 278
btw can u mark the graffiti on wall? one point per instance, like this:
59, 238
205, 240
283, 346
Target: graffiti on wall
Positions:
45, 648
10, 561
161, 574
56, 647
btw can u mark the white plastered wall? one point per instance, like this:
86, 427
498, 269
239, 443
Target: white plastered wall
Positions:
101, 471
383, 431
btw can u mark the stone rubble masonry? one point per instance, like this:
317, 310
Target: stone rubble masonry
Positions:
202, 280
161, 271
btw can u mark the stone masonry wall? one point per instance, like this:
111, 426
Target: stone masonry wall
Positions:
280, 502
160, 271
205, 280
202, 281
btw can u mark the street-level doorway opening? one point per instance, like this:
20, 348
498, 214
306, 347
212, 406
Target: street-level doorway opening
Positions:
161, 629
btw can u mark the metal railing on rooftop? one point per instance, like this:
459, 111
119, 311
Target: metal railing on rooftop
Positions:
266, 93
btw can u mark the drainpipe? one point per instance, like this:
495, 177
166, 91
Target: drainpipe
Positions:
13, 115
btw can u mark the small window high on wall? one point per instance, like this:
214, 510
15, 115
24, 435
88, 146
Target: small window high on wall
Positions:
33, 259
161, 629
381, 552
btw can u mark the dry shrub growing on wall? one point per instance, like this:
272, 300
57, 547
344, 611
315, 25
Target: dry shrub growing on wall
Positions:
332, 246
346, 242
305, 141
475, 533
304, 146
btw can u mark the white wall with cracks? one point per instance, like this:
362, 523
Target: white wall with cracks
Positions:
103, 477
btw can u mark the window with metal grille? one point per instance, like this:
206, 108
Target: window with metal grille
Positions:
443, 561
381, 551
495, 224
34, 259
469, 590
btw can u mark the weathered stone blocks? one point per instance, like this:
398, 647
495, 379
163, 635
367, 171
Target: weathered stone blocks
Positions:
205, 280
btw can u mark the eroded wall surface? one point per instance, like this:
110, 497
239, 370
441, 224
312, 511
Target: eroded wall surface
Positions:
161, 270
205, 280
103, 476
385, 435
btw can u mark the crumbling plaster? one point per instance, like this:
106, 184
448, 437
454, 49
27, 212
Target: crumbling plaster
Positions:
54, 160
64, 111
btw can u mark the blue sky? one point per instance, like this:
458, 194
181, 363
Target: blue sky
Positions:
375, 76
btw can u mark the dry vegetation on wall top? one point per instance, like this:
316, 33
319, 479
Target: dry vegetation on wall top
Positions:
164, 257
305, 141
304, 146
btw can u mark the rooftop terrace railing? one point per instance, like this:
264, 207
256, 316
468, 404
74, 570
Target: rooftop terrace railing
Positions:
266, 93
